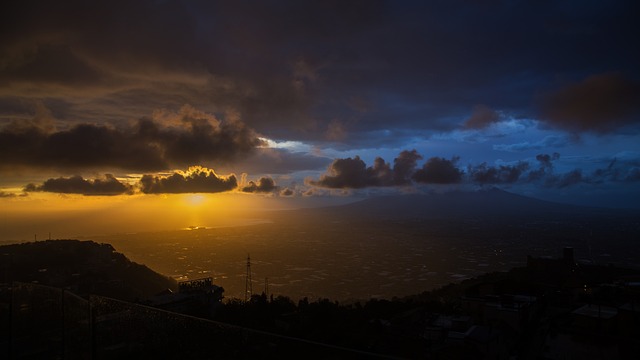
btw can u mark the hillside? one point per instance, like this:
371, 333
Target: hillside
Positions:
481, 204
85, 267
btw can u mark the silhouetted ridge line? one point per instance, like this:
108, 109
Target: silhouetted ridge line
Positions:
491, 203
84, 267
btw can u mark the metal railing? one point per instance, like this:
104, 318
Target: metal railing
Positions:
44, 322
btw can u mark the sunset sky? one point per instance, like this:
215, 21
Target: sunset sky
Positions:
115, 108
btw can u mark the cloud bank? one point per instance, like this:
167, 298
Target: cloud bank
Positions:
321, 70
108, 185
195, 180
352, 173
264, 185
600, 103
439, 171
165, 141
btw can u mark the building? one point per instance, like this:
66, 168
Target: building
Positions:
199, 297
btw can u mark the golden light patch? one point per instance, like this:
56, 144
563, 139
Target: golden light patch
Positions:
195, 199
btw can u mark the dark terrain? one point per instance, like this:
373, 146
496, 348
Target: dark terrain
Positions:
459, 275
388, 246
85, 267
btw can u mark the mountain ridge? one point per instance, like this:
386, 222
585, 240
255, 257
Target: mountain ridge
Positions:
86, 267
479, 204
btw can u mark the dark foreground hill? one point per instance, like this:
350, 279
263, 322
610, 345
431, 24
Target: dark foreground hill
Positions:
85, 267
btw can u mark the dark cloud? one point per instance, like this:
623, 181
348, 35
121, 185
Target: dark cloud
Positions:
381, 173
195, 180
296, 69
108, 185
546, 159
570, 178
545, 166
522, 173
347, 173
287, 192
502, 174
599, 103
353, 172
186, 137
53, 63
404, 166
615, 171
481, 117
627, 170
439, 171
241, 55
264, 185
11, 195
363, 74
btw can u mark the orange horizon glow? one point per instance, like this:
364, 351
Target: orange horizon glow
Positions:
68, 216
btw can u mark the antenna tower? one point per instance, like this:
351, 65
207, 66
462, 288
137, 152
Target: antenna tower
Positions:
266, 286
248, 291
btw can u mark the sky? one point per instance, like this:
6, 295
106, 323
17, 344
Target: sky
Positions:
279, 104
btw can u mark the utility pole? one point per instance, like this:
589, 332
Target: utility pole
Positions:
266, 287
248, 291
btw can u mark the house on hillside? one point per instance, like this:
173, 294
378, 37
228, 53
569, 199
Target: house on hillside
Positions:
198, 297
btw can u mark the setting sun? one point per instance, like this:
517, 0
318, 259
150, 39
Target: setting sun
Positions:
195, 199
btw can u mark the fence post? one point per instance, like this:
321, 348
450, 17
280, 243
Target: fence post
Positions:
11, 299
92, 329
64, 324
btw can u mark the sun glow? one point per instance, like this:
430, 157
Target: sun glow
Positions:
195, 199
75, 216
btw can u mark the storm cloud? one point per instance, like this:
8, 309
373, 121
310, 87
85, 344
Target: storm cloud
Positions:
599, 103
263, 185
544, 173
353, 172
481, 117
523, 172
195, 180
404, 166
502, 174
545, 167
101, 87
304, 69
108, 185
439, 171
171, 139
348, 173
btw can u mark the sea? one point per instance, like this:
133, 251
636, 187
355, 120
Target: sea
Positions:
347, 261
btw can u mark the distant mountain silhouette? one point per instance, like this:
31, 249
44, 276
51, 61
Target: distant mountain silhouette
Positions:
460, 204
85, 267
